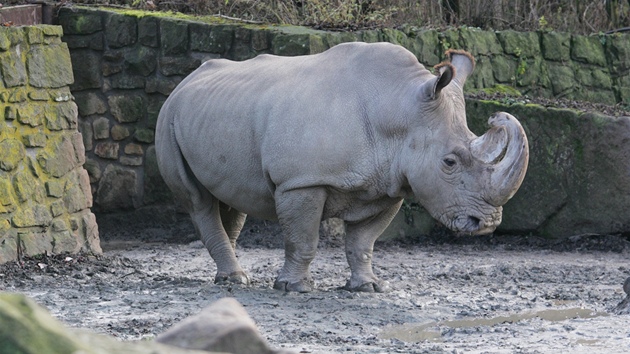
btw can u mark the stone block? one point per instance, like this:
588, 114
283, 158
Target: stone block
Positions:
90, 103
173, 37
18, 95
126, 81
85, 64
478, 42
556, 46
55, 188
259, 40
39, 95
94, 170
11, 153
519, 44
127, 108
211, 39
64, 241
144, 135
561, 77
61, 158
155, 189
148, 31
134, 149
6, 197
32, 214
34, 243
503, 69
30, 114
77, 195
34, 34
87, 134
170, 66
101, 128
59, 225
12, 68
120, 30
424, 45
107, 150
79, 22
121, 132
57, 208
153, 109
291, 44
131, 160
163, 85
93, 41
62, 116
49, 66
34, 140
141, 60
116, 189
588, 49
8, 245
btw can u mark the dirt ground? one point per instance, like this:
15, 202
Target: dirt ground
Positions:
474, 295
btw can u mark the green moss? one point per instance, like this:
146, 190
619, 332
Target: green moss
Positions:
502, 89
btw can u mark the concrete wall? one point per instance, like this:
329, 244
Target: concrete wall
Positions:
44, 191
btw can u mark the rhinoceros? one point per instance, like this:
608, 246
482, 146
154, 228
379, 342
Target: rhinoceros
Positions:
346, 133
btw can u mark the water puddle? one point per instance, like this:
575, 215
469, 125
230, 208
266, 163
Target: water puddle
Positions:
413, 332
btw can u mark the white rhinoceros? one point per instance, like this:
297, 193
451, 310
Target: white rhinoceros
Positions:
347, 133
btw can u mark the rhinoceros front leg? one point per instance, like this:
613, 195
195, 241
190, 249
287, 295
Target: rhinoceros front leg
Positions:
299, 213
208, 221
360, 238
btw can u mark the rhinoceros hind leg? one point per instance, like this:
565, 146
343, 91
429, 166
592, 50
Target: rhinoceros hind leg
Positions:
360, 238
207, 220
233, 221
299, 212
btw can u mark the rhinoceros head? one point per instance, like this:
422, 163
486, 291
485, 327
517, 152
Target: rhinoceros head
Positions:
463, 180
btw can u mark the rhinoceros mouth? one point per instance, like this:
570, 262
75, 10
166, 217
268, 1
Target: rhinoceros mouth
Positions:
474, 225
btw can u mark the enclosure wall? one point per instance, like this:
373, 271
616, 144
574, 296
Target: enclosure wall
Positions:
44, 191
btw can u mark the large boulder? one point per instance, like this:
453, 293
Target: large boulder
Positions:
27, 328
223, 326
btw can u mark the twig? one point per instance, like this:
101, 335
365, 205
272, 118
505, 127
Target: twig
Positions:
238, 19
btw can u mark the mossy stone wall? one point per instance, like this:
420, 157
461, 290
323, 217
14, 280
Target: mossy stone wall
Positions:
44, 191
127, 63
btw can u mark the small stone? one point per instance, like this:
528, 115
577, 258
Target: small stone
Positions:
54, 188
59, 225
126, 108
101, 128
134, 149
144, 135
120, 132
131, 160
57, 208
94, 170
107, 150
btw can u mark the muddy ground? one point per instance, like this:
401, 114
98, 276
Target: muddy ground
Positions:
489, 294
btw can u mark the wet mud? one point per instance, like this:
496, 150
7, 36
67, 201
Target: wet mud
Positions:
487, 295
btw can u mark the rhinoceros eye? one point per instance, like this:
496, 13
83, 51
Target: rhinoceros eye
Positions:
450, 162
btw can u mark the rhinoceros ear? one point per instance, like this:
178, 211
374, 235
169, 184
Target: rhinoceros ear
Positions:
463, 62
445, 73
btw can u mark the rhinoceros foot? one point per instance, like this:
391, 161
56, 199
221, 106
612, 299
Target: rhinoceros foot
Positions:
377, 286
302, 286
232, 278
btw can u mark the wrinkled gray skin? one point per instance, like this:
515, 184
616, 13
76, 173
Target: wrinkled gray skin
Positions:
347, 133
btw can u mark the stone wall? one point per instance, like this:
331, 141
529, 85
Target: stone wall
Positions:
126, 64
44, 190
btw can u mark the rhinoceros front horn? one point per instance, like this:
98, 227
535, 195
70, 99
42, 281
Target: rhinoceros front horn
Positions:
504, 148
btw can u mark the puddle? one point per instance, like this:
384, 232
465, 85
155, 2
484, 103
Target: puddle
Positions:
420, 332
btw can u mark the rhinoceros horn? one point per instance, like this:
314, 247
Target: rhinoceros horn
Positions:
504, 148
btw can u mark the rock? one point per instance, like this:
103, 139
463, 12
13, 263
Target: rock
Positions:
49, 66
117, 188
27, 328
174, 37
11, 153
86, 66
120, 30
223, 326
127, 108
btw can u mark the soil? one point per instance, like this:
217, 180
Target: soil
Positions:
492, 294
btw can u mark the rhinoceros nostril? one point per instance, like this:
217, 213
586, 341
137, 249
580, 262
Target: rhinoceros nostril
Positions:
474, 222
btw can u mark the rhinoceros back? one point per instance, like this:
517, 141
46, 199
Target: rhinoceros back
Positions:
244, 128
